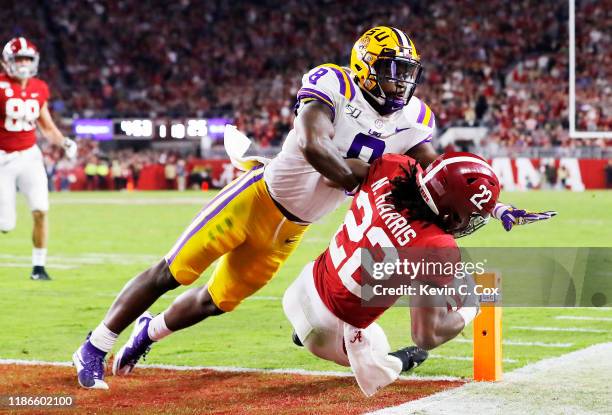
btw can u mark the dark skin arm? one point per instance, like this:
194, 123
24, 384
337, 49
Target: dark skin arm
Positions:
424, 153
432, 325
314, 130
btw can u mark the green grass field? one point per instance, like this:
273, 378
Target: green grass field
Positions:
100, 240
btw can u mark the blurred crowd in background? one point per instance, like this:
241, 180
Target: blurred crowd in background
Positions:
499, 64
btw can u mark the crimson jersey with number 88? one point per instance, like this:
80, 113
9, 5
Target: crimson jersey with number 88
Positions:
372, 222
19, 111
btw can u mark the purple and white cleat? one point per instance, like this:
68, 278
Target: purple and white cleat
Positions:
136, 347
89, 363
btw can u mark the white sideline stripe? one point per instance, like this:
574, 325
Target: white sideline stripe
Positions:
130, 201
29, 265
553, 380
75, 261
264, 298
465, 358
577, 329
231, 369
522, 343
583, 318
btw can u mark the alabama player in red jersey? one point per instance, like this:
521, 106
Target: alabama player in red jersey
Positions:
23, 106
399, 207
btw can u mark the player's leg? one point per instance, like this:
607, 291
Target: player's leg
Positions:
317, 328
270, 239
219, 228
40, 233
366, 351
32, 181
212, 233
133, 300
8, 194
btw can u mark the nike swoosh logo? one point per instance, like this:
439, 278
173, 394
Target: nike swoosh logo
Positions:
397, 130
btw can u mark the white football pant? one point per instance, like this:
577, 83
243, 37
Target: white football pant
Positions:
23, 170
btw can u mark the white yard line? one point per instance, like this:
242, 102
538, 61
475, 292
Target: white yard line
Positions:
29, 265
231, 369
464, 358
574, 329
522, 343
583, 318
75, 261
132, 201
575, 383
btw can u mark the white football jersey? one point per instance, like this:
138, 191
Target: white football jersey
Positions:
360, 132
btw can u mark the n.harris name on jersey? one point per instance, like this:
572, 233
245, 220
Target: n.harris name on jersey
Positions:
395, 222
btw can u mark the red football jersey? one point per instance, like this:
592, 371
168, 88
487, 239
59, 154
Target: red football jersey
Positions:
19, 110
371, 222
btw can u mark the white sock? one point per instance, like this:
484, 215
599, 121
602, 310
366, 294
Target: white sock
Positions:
39, 256
157, 328
102, 338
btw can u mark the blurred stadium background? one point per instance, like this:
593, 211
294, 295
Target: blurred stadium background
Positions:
147, 92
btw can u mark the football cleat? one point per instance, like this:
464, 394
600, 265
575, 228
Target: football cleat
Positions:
296, 339
411, 357
89, 363
137, 346
39, 273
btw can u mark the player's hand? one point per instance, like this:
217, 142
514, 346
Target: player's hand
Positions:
359, 169
510, 216
70, 148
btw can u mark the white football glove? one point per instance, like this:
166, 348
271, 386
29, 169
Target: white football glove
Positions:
70, 148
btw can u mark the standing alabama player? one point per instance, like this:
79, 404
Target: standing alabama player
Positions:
23, 106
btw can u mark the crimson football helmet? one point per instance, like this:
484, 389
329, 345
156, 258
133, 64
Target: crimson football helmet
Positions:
20, 47
462, 189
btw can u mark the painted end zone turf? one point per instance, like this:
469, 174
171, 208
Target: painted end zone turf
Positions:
157, 391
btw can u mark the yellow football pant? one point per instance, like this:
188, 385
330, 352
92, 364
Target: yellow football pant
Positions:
243, 226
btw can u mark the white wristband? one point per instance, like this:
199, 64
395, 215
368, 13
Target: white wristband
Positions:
468, 314
498, 210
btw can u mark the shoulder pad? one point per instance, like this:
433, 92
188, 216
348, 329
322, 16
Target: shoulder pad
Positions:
329, 84
419, 112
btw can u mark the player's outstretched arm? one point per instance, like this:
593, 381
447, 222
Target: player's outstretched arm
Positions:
314, 130
53, 134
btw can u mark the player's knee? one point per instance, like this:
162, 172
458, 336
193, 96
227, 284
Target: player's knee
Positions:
39, 215
160, 277
206, 303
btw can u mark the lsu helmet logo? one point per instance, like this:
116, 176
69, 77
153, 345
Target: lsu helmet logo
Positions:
386, 55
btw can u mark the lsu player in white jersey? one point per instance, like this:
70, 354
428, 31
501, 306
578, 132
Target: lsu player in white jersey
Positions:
345, 119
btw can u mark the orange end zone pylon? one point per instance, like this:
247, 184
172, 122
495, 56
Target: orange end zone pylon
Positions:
488, 331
